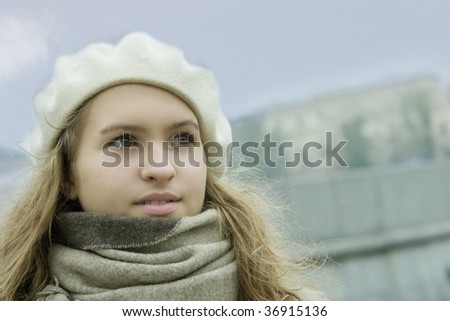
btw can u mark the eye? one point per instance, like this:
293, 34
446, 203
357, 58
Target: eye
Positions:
182, 139
126, 140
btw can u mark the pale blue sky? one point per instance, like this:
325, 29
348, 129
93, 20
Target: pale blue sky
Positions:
262, 52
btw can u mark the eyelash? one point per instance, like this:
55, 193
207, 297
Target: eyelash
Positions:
126, 140
125, 137
185, 139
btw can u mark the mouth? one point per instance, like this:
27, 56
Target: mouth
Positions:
154, 202
158, 204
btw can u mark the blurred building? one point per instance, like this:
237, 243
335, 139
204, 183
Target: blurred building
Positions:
400, 122
441, 126
385, 219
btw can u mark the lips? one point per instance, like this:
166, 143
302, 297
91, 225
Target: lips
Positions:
158, 204
154, 202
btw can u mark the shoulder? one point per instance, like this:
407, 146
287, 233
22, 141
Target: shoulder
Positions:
53, 293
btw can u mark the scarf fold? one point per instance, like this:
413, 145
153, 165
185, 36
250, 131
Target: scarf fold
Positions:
103, 257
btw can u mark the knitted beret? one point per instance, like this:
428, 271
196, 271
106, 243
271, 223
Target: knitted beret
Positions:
137, 58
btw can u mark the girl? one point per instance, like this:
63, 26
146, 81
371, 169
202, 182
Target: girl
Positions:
126, 202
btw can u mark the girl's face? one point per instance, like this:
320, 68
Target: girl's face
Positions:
140, 154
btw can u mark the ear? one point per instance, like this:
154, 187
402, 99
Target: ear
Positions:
70, 191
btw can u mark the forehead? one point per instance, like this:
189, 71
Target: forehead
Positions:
135, 103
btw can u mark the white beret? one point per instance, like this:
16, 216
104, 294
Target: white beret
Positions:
137, 58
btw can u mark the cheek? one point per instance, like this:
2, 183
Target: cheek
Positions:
86, 181
197, 188
86, 172
94, 183
196, 176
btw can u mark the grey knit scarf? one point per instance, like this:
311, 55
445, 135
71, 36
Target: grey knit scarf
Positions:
103, 257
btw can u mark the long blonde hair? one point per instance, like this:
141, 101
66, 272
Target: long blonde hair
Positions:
27, 231
263, 272
24, 251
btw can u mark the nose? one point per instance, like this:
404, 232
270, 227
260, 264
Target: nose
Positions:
158, 165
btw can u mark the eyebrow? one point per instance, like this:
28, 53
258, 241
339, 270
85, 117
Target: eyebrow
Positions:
183, 123
137, 128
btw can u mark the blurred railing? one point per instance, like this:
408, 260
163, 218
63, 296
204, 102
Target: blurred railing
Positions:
388, 229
